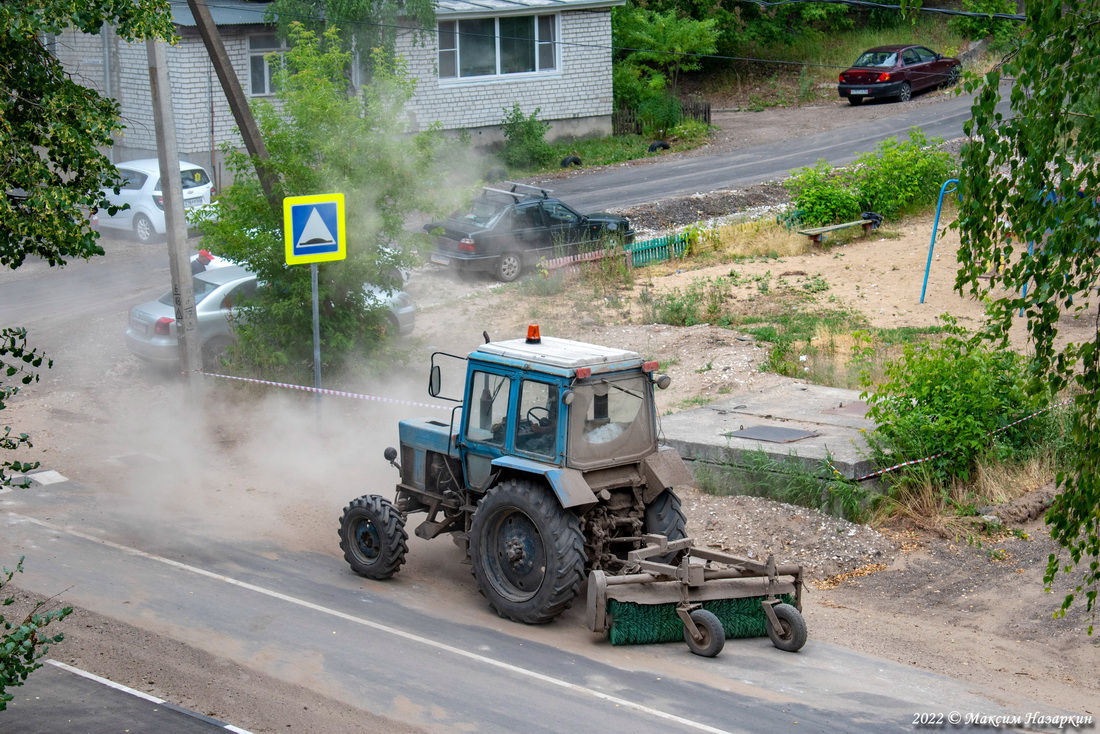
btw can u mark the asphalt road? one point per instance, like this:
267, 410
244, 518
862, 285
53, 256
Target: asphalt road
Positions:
630, 186
303, 617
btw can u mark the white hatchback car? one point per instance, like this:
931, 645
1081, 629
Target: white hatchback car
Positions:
141, 190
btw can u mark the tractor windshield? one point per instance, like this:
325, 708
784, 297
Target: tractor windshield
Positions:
610, 421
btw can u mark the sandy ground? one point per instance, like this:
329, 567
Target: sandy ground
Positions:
933, 603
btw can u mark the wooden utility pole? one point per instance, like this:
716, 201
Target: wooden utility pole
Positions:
171, 186
231, 86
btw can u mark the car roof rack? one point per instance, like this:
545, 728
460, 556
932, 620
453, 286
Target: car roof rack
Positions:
517, 194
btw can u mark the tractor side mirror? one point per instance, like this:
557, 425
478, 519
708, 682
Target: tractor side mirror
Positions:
663, 381
433, 381
567, 397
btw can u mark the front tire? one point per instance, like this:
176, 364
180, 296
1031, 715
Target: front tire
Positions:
952, 77
527, 552
905, 93
509, 266
373, 537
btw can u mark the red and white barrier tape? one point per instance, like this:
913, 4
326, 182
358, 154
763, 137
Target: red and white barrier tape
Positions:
323, 391
880, 472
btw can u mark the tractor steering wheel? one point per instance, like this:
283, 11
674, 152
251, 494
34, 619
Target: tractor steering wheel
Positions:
534, 419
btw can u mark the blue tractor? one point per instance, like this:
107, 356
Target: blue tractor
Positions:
549, 468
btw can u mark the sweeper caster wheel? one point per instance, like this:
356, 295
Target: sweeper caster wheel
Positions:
791, 633
712, 636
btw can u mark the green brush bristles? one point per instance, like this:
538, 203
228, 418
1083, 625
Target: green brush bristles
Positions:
640, 624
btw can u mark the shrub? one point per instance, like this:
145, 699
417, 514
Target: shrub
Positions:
895, 178
1001, 31
947, 398
899, 176
525, 138
823, 195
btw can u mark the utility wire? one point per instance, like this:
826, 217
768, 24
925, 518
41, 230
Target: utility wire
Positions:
344, 22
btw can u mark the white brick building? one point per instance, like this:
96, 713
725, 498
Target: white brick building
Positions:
483, 56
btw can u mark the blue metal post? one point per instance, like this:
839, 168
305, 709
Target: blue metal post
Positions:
935, 228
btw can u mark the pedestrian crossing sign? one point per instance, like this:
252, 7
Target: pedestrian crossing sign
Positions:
314, 228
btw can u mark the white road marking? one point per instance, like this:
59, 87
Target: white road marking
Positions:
135, 692
625, 703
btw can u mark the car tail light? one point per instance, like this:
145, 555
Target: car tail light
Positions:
162, 326
840, 79
158, 199
466, 245
883, 77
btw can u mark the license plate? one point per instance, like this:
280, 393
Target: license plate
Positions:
857, 91
192, 203
441, 259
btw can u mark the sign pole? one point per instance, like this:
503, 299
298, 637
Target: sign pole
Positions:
315, 231
316, 332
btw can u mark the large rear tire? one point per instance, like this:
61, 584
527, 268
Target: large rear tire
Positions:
664, 516
527, 552
373, 537
905, 93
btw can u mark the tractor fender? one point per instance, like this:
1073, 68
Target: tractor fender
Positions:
663, 469
568, 484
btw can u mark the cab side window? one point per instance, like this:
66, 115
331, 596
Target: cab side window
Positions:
558, 214
486, 418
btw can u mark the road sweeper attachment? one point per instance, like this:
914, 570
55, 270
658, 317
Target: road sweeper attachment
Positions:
701, 596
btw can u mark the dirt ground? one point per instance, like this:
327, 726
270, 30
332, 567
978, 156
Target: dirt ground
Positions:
970, 612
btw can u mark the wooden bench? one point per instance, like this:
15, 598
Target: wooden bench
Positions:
816, 233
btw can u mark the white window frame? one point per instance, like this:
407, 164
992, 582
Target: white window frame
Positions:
266, 55
451, 57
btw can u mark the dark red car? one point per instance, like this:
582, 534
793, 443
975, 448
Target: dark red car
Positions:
897, 71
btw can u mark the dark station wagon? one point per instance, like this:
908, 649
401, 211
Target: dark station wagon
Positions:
896, 72
503, 232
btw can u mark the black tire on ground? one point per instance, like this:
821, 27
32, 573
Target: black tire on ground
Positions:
527, 552
952, 77
496, 174
714, 636
792, 633
373, 537
905, 93
509, 266
855, 101
664, 516
570, 161
143, 229
213, 353
658, 145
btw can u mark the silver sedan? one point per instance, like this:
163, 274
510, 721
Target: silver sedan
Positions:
151, 332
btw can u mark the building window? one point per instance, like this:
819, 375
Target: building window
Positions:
265, 55
515, 44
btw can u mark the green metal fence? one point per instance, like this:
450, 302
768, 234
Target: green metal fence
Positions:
657, 250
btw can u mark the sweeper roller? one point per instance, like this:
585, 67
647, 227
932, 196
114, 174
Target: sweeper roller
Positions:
701, 596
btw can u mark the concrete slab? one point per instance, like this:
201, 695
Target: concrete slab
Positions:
834, 416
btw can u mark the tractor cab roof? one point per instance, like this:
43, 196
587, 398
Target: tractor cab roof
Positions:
557, 356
